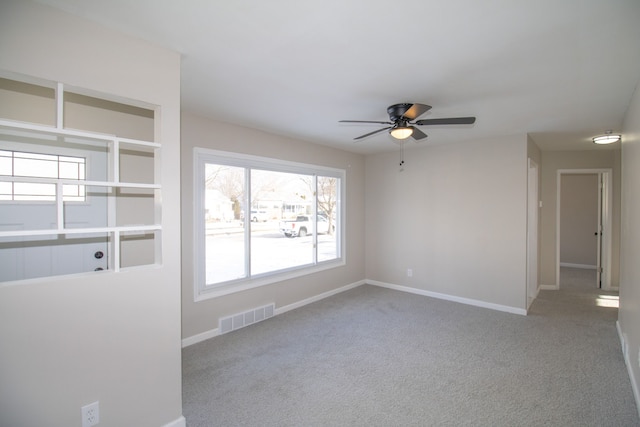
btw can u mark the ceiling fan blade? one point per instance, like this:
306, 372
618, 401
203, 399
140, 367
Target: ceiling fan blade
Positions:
447, 121
364, 121
418, 134
371, 133
416, 110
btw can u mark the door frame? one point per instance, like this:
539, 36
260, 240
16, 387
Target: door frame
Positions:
605, 215
533, 206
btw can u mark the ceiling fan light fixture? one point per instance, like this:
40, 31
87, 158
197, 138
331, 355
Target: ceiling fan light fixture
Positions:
607, 138
401, 132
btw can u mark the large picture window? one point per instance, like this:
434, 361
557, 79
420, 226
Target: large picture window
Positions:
260, 220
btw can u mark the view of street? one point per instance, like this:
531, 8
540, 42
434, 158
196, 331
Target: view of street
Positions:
270, 250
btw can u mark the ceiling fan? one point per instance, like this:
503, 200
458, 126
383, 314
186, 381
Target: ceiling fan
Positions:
402, 121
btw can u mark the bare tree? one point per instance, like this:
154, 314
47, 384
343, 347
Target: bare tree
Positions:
326, 194
229, 181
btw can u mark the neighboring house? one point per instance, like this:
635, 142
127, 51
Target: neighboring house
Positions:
219, 208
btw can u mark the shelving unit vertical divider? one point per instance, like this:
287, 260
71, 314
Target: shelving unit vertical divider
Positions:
59, 97
157, 179
59, 207
59, 105
113, 244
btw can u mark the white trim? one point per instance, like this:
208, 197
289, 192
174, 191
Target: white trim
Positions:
203, 336
549, 287
533, 239
319, 297
446, 297
584, 266
634, 381
268, 279
194, 339
180, 422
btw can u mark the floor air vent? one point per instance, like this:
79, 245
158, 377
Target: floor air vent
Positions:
240, 320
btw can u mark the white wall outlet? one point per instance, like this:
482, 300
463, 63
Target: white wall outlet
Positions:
409, 272
91, 414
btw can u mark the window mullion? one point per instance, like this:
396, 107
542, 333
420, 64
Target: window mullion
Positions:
247, 222
314, 187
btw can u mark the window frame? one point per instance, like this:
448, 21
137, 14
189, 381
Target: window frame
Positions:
41, 198
203, 156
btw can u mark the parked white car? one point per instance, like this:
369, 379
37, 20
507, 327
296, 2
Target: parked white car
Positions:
301, 226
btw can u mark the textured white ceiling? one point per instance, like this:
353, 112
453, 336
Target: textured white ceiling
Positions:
559, 70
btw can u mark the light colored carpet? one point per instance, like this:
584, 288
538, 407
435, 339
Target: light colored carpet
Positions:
377, 357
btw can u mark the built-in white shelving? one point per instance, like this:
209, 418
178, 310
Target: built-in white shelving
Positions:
117, 198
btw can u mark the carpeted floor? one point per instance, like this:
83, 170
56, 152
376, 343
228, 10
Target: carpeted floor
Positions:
377, 357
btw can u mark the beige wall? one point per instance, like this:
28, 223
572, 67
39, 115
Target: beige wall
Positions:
111, 337
552, 161
629, 313
579, 219
200, 317
456, 216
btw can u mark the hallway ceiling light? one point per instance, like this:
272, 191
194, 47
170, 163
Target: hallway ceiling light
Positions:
607, 138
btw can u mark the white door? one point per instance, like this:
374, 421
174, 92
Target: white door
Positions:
51, 255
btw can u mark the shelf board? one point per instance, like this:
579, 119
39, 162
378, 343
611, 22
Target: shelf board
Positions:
56, 131
92, 230
64, 181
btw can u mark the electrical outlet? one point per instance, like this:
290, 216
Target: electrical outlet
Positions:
409, 272
91, 414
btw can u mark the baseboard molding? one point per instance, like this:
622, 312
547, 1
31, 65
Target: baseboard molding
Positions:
194, 339
549, 287
319, 297
635, 382
203, 336
467, 301
180, 422
584, 266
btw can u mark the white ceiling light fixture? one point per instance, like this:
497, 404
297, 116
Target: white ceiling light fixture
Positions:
607, 138
401, 132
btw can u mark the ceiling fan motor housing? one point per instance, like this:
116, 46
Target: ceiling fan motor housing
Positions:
397, 111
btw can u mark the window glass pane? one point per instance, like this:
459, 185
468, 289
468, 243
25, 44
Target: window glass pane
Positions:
5, 165
327, 214
225, 238
73, 192
69, 170
6, 191
35, 167
37, 156
286, 241
34, 191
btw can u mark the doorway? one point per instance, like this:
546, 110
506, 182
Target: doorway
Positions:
583, 223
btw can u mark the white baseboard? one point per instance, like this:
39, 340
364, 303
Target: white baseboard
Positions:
549, 287
180, 422
635, 382
319, 297
194, 339
585, 266
468, 301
